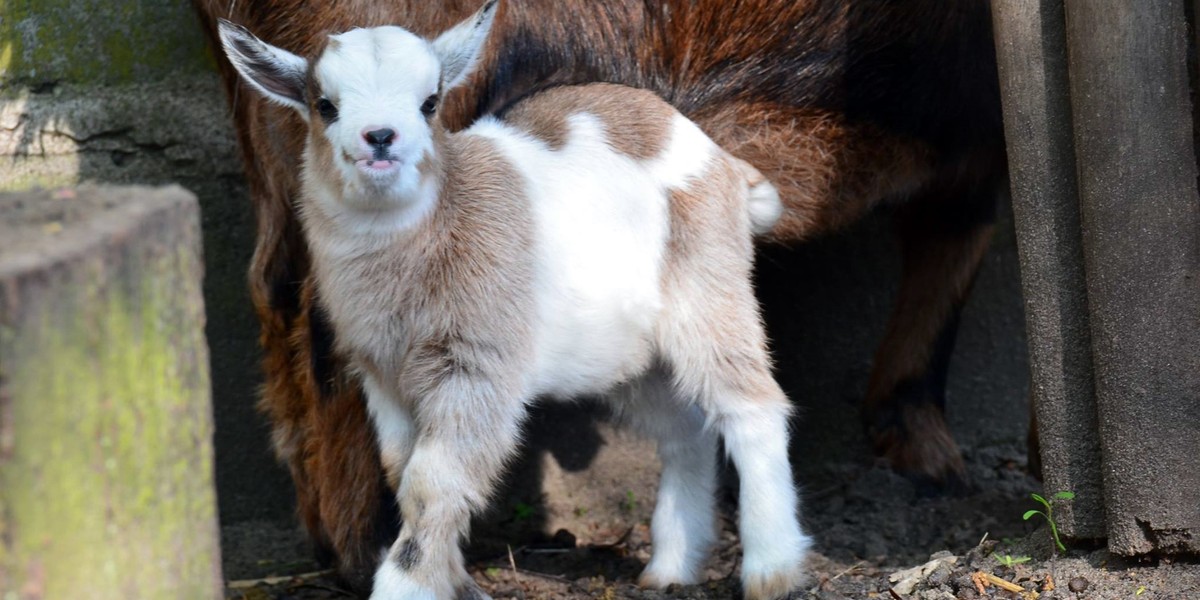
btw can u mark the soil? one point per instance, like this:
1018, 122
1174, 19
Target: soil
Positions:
870, 525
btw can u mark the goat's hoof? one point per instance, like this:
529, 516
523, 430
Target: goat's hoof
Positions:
773, 584
656, 576
914, 440
472, 591
771, 571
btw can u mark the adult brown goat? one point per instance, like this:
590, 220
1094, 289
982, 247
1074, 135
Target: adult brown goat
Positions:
844, 105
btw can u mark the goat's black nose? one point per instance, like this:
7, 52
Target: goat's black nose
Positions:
379, 137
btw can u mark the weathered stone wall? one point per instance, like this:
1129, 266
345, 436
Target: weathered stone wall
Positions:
98, 42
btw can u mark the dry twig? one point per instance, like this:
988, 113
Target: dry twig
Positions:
242, 584
983, 580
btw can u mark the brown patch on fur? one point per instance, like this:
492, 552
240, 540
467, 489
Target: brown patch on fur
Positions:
322, 152
635, 121
312, 87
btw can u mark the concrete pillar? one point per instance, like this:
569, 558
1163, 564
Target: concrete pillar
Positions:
1132, 116
1032, 55
106, 458
1100, 128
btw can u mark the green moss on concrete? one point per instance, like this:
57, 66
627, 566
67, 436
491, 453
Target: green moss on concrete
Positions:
108, 492
15, 182
98, 41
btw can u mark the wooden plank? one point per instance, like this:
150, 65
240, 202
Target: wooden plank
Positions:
1132, 118
106, 467
1032, 54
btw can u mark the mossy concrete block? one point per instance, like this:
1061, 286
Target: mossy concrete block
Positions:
106, 461
98, 41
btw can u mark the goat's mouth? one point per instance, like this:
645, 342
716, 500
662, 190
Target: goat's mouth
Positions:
375, 166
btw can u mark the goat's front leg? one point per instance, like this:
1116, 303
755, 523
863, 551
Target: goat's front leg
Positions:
465, 433
393, 429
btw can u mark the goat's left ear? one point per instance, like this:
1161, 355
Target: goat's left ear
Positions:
277, 73
459, 48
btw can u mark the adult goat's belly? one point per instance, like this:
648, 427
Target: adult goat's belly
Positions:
601, 240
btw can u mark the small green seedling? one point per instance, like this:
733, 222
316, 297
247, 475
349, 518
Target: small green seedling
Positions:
522, 511
1009, 560
1049, 514
629, 504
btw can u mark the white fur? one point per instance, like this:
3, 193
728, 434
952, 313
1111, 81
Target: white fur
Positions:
357, 73
459, 47
772, 541
394, 428
684, 525
398, 584
601, 232
765, 207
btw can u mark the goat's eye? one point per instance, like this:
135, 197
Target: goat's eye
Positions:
327, 110
430, 105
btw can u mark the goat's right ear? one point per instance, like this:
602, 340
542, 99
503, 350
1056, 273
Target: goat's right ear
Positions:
277, 73
459, 47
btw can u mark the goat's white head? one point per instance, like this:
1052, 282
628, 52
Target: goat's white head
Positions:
369, 98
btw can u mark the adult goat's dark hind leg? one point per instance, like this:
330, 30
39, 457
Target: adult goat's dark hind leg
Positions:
943, 237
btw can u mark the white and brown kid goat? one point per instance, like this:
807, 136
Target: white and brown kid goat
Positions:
592, 241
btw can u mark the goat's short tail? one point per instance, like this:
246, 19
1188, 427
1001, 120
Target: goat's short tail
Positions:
762, 201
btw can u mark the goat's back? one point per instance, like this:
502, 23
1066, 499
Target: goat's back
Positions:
614, 177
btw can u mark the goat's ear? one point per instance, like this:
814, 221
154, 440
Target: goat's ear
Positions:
277, 73
459, 47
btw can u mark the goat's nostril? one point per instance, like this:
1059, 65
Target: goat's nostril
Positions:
379, 137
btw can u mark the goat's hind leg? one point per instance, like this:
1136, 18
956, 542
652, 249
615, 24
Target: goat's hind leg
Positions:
683, 528
755, 431
729, 376
943, 239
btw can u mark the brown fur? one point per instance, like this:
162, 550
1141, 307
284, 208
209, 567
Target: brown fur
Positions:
832, 173
635, 121
790, 86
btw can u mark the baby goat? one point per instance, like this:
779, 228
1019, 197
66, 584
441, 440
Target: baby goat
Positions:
591, 241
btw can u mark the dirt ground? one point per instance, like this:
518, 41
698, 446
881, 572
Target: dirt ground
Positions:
870, 526
868, 523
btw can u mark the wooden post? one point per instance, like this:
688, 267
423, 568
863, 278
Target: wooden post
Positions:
1031, 49
1132, 119
106, 471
